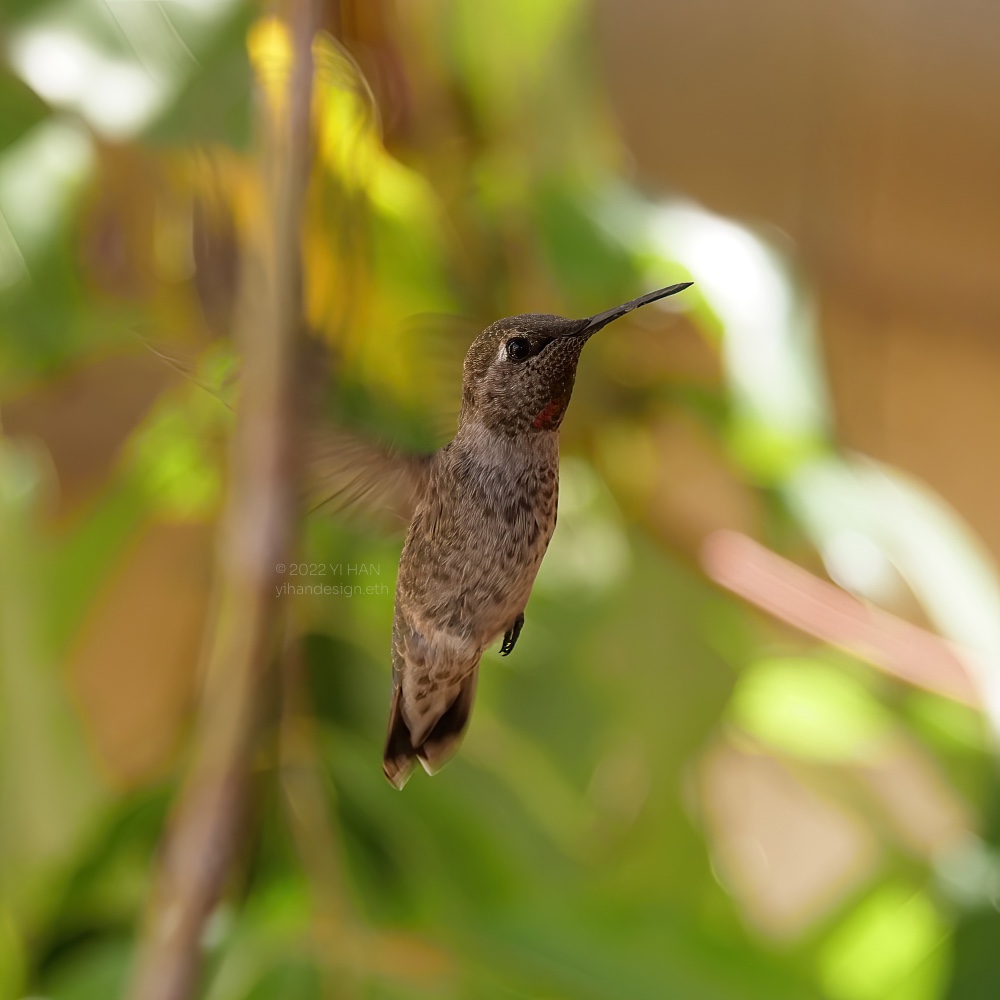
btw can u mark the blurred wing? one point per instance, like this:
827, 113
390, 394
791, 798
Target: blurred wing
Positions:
435, 346
345, 472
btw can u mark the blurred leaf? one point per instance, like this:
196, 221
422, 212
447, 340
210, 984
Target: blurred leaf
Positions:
889, 948
945, 565
93, 972
595, 270
172, 458
216, 102
976, 964
75, 569
20, 109
959, 726
809, 709
48, 789
106, 881
291, 979
522, 33
13, 964
347, 689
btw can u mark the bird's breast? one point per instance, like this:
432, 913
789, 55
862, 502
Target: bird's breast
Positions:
475, 545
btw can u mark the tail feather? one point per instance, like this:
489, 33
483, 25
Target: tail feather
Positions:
437, 746
397, 761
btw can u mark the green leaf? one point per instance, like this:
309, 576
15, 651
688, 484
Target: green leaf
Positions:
886, 949
809, 709
20, 109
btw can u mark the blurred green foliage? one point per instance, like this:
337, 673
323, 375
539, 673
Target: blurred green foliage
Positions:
585, 842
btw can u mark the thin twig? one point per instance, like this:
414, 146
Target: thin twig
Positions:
256, 536
794, 595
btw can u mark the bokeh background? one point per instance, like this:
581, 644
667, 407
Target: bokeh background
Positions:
675, 787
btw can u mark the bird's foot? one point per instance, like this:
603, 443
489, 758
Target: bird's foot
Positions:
510, 637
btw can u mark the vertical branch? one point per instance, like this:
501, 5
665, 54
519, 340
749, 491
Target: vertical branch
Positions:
256, 536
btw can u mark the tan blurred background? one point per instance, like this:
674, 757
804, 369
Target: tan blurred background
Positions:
869, 134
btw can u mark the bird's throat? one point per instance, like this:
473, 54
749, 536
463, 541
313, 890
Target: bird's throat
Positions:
550, 415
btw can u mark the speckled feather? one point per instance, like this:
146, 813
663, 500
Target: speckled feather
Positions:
477, 538
481, 512
484, 513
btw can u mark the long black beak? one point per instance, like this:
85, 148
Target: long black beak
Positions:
594, 323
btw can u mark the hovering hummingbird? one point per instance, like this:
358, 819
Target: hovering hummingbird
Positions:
483, 511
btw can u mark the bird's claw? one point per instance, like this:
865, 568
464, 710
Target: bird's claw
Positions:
510, 636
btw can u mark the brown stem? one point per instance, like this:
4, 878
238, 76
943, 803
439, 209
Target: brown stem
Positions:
823, 610
256, 536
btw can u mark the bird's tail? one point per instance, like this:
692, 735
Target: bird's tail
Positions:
441, 741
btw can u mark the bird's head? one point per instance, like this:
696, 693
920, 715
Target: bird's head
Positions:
519, 372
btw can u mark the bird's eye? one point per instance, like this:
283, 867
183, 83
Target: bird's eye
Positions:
518, 348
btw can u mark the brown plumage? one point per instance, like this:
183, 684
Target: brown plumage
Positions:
480, 511
483, 513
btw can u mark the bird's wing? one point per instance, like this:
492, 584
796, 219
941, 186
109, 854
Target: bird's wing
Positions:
343, 471
346, 472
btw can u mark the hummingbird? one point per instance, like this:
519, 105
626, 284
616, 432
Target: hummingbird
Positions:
483, 512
